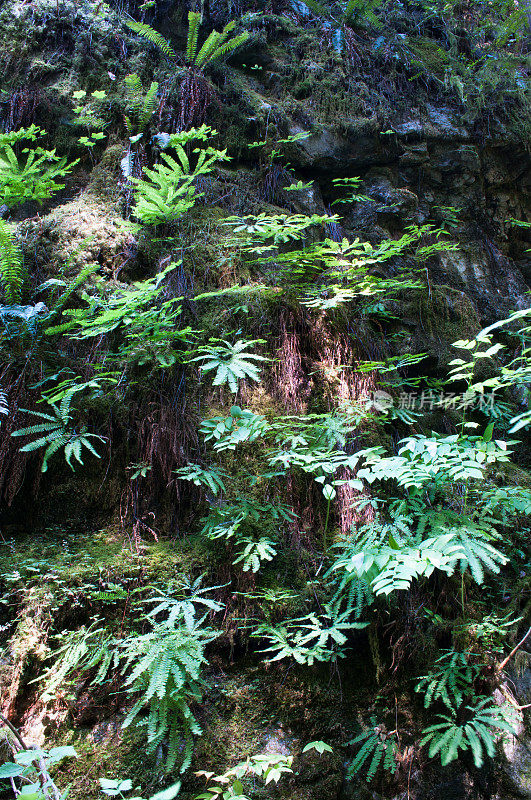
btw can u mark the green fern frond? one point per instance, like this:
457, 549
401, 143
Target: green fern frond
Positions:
11, 265
318, 9
209, 46
216, 45
194, 23
149, 105
133, 92
376, 745
227, 48
152, 36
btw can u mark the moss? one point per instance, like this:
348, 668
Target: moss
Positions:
441, 315
104, 751
105, 177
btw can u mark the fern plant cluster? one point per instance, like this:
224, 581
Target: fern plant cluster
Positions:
160, 671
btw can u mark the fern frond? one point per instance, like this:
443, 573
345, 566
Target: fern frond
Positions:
11, 265
149, 105
227, 48
318, 9
152, 36
209, 46
133, 91
194, 23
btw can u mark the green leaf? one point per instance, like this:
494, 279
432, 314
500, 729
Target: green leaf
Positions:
320, 747
10, 770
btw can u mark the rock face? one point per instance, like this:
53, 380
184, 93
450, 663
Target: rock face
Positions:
516, 764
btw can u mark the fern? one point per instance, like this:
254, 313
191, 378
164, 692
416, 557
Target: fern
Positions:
139, 105
4, 405
164, 667
230, 361
194, 24
167, 192
209, 478
11, 268
240, 426
161, 669
243, 521
216, 45
477, 553
152, 36
55, 433
308, 639
450, 680
475, 734
376, 745
318, 9
133, 92
184, 606
254, 553
37, 178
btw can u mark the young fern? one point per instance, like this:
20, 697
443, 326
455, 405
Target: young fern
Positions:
140, 106
55, 433
11, 265
231, 361
212, 479
377, 745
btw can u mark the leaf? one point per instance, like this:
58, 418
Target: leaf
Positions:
169, 793
10, 770
320, 747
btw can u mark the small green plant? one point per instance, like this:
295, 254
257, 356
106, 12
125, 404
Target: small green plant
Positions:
212, 479
167, 191
268, 766
56, 433
242, 521
241, 425
475, 732
308, 639
517, 372
37, 177
30, 768
147, 324
231, 362
88, 111
378, 745
351, 185
119, 788
191, 596
254, 552
140, 105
